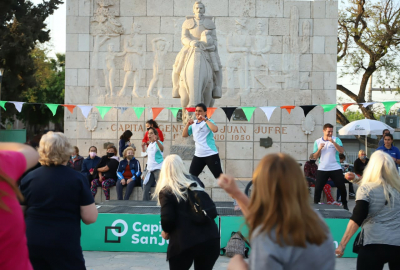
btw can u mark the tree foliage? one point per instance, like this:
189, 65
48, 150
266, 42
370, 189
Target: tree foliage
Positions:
368, 43
22, 27
50, 81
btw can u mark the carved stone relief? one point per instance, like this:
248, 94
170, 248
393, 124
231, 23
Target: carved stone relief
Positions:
91, 121
308, 124
160, 49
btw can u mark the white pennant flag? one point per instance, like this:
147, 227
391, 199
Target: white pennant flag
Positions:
85, 110
366, 104
122, 109
18, 105
268, 111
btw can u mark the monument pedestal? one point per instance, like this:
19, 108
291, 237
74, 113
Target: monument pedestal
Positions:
185, 148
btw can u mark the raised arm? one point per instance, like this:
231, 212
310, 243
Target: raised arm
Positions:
30, 154
186, 132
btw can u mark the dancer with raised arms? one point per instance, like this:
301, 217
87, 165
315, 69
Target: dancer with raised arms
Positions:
206, 152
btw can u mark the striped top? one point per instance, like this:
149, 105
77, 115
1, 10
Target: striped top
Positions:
383, 223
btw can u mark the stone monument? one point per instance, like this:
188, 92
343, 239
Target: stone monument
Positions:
256, 52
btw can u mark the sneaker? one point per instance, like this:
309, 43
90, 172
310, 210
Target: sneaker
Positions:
345, 207
143, 154
352, 195
336, 203
320, 203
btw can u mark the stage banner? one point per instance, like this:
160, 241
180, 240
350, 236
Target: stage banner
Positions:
124, 232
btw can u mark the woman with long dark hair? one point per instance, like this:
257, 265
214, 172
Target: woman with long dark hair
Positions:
124, 142
285, 232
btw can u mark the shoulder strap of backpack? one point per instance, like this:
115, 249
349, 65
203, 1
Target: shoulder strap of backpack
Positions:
244, 238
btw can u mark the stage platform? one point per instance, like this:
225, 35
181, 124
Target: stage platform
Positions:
223, 208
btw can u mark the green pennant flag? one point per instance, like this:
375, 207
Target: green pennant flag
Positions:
328, 107
174, 110
2, 103
103, 110
52, 107
138, 111
388, 105
248, 111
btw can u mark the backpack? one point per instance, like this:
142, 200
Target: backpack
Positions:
236, 245
202, 207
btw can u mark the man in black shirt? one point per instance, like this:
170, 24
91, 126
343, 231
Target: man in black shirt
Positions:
107, 169
360, 163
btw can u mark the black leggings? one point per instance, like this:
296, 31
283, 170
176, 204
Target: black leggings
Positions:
213, 163
203, 255
337, 177
374, 257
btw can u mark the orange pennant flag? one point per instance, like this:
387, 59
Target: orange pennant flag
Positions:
69, 107
346, 105
156, 112
210, 111
288, 108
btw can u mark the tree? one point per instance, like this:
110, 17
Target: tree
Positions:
368, 43
22, 27
50, 81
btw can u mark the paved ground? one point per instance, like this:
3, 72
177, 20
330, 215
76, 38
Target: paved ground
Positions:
96, 260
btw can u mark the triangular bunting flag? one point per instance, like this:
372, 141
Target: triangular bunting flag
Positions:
18, 105
288, 108
307, 109
69, 107
268, 111
103, 110
138, 111
191, 109
248, 111
229, 111
366, 104
156, 112
388, 105
328, 107
210, 111
85, 110
346, 105
2, 103
174, 111
52, 107
122, 109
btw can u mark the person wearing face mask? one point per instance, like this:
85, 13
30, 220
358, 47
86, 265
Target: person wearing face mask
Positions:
145, 142
154, 162
107, 169
360, 163
75, 161
128, 173
90, 163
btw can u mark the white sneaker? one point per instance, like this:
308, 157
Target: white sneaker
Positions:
143, 154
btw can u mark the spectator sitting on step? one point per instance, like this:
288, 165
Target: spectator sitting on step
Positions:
89, 165
360, 163
128, 173
57, 199
107, 169
345, 167
75, 161
285, 231
310, 171
124, 142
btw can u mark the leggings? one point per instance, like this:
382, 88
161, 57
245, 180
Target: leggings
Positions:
213, 163
374, 257
337, 177
152, 182
106, 184
203, 255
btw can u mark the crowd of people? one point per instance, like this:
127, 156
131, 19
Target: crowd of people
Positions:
284, 230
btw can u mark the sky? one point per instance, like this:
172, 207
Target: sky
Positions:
57, 24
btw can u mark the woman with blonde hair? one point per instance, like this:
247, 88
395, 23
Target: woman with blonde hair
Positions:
128, 173
15, 159
377, 211
286, 233
188, 241
57, 199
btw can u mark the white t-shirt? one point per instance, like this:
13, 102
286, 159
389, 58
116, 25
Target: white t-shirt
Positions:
204, 139
329, 159
154, 157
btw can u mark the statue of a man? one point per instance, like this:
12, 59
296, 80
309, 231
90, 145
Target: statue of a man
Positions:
192, 29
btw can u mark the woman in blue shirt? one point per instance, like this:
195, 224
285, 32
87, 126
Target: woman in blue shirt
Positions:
90, 163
